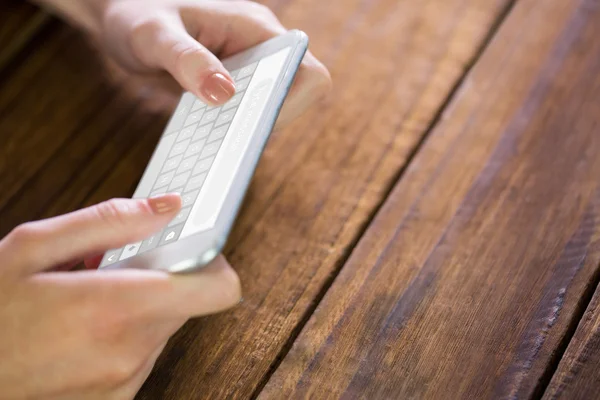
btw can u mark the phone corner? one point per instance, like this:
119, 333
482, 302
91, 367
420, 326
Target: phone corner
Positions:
299, 36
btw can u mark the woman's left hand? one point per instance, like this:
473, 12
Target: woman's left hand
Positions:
186, 39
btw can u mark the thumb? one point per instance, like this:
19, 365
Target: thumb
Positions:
165, 43
40, 245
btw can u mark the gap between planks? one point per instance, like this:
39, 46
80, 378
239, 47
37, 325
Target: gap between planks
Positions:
580, 309
393, 182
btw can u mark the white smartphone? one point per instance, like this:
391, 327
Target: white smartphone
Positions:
208, 155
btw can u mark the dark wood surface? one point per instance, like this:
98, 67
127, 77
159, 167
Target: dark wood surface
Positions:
19, 23
468, 281
578, 374
471, 279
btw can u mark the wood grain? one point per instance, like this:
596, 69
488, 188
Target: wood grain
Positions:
393, 63
19, 23
51, 121
468, 281
578, 374
73, 138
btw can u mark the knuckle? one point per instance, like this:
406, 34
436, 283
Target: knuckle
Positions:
143, 34
151, 26
25, 233
181, 51
23, 239
114, 212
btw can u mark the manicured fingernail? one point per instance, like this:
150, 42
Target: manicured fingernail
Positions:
165, 203
217, 88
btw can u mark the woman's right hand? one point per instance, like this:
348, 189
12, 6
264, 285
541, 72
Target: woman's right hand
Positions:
94, 334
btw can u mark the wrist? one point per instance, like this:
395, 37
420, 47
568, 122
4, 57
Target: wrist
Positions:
86, 14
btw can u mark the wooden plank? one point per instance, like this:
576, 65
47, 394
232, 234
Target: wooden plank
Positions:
316, 186
468, 281
52, 120
19, 23
394, 63
578, 374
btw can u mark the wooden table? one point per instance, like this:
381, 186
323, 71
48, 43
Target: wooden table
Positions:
432, 232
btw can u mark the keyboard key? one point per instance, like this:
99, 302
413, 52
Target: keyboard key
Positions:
158, 192
198, 104
111, 257
242, 84
184, 106
179, 148
195, 182
203, 165
194, 117
247, 71
150, 243
234, 73
187, 133
207, 207
172, 163
225, 117
218, 133
187, 164
195, 148
164, 180
130, 250
189, 198
179, 180
171, 235
210, 149
202, 132
153, 170
210, 116
181, 216
234, 101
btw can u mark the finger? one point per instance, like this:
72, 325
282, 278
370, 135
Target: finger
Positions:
312, 84
144, 295
40, 245
247, 24
158, 90
165, 43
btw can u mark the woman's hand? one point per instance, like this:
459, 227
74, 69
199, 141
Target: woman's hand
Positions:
186, 38
94, 334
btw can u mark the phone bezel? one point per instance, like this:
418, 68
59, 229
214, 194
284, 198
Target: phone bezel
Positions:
198, 250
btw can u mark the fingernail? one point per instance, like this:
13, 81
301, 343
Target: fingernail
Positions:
217, 88
165, 203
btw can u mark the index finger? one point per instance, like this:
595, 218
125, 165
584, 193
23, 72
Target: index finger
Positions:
150, 294
226, 30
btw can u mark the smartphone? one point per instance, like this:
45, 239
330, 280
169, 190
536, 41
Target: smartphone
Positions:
208, 155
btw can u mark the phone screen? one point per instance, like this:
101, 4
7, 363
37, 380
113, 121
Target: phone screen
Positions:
200, 153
